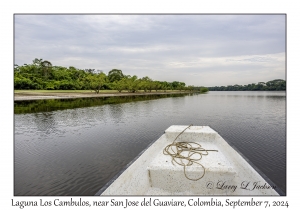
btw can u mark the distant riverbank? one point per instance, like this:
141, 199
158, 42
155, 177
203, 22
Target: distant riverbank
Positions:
21, 95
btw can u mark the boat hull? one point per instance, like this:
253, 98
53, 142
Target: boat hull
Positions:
225, 171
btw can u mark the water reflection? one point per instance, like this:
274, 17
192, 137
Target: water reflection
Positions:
34, 106
115, 112
45, 122
75, 150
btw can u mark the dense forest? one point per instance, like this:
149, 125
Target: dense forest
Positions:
42, 75
277, 84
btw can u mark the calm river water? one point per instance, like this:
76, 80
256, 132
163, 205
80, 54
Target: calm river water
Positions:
74, 147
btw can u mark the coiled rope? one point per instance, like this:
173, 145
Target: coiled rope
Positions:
180, 151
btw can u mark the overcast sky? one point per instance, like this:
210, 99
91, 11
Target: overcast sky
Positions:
200, 50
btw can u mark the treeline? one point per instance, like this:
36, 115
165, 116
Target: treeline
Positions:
277, 84
41, 75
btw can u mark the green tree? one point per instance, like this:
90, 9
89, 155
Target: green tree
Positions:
96, 82
46, 68
120, 85
144, 83
165, 86
156, 85
181, 86
203, 90
176, 85
132, 84
190, 88
115, 75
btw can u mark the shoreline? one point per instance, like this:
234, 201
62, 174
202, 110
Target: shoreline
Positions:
45, 96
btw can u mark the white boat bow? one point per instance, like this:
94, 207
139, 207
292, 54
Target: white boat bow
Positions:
223, 171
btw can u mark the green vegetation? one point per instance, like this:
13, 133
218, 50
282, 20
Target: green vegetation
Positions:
203, 90
277, 84
42, 75
34, 106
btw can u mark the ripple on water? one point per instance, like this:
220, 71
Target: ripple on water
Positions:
77, 151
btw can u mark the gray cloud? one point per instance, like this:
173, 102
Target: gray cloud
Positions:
197, 49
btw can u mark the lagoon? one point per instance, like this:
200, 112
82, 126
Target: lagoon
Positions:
65, 149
